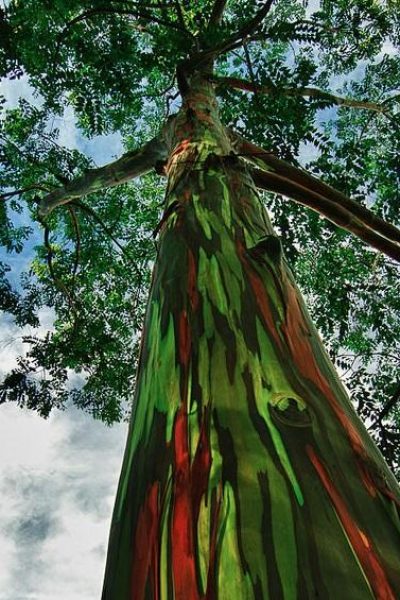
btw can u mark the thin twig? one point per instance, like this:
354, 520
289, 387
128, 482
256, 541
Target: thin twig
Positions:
179, 12
60, 285
234, 41
391, 403
107, 230
40, 187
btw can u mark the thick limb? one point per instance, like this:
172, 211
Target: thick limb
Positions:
152, 155
292, 180
334, 212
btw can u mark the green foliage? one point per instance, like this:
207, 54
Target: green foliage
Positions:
112, 66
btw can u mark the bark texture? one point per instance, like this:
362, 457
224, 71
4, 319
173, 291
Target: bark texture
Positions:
247, 474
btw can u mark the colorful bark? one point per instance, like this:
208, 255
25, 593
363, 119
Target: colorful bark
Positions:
247, 474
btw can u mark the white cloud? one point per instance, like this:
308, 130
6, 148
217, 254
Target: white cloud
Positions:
11, 342
58, 477
58, 501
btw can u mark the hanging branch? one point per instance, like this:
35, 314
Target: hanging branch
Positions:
152, 155
60, 285
30, 157
294, 176
307, 92
107, 230
179, 13
138, 14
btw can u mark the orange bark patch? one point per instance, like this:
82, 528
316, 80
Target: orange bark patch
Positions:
182, 147
146, 549
359, 541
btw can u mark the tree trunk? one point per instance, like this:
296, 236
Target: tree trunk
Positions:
247, 473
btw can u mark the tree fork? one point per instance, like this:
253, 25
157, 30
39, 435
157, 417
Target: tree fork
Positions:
247, 473
294, 176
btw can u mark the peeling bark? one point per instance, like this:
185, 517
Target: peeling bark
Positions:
247, 473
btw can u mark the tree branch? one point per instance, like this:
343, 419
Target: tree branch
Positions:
307, 92
251, 26
30, 188
60, 285
130, 165
120, 11
78, 241
179, 13
391, 403
292, 175
232, 42
339, 215
217, 13
87, 209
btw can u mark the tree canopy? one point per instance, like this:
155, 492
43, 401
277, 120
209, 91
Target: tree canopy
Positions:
315, 84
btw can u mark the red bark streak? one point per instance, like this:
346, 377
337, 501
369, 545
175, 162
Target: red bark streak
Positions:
192, 282
367, 479
260, 294
146, 548
183, 146
375, 482
263, 305
183, 556
184, 340
298, 341
358, 539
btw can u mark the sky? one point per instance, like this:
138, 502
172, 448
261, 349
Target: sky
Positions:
58, 477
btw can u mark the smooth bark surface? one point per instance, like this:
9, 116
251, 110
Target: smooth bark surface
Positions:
132, 164
247, 473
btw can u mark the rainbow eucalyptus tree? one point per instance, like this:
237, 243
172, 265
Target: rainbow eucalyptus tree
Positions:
247, 472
